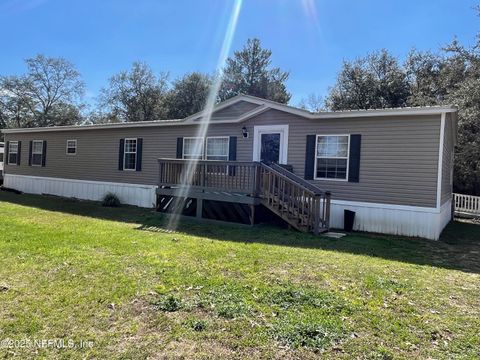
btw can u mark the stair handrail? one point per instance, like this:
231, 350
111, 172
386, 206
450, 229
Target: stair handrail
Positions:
320, 211
293, 177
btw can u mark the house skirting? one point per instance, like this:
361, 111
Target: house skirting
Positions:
393, 219
404, 220
131, 194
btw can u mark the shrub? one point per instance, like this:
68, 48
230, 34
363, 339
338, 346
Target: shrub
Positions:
168, 303
292, 297
198, 325
226, 301
111, 200
312, 332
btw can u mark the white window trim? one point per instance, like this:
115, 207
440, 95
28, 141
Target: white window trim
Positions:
36, 153
194, 138
66, 149
130, 152
271, 129
8, 155
317, 157
216, 137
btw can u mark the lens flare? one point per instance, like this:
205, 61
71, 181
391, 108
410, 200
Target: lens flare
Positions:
310, 10
184, 190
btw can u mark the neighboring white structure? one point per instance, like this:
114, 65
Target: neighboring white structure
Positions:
2, 151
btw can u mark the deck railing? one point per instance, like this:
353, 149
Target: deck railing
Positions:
231, 176
467, 204
296, 200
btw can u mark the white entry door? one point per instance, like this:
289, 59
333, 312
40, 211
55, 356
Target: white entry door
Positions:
270, 143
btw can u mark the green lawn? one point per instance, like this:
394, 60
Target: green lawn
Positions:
74, 270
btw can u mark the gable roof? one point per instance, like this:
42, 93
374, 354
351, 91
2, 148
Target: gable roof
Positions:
262, 105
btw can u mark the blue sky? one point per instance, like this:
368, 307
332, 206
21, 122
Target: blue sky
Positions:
308, 38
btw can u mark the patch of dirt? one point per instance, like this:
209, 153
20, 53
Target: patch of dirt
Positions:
189, 349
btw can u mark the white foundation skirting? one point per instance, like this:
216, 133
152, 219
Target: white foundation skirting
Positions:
132, 194
393, 219
372, 217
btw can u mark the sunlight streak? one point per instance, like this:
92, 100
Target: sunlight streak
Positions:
310, 9
207, 115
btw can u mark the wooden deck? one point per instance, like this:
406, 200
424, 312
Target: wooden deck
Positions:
210, 184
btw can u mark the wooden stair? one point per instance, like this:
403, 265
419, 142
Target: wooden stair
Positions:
299, 203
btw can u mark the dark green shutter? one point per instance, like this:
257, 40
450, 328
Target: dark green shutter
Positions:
120, 154
30, 146
354, 160
232, 149
179, 148
310, 157
232, 154
19, 151
7, 153
139, 154
44, 153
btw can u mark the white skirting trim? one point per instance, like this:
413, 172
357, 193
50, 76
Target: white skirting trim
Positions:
373, 217
393, 219
132, 194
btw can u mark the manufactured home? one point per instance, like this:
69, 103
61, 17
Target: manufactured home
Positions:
392, 167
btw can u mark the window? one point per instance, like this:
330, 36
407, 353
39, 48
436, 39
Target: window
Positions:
37, 152
71, 147
332, 157
217, 148
13, 153
130, 154
193, 148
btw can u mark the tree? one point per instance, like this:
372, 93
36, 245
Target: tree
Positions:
433, 77
15, 110
249, 72
467, 157
424, 71
45, 96
188, 95
135, 95
313, 103
375, 81
464, 91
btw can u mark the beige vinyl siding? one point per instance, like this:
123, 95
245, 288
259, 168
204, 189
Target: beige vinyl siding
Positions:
398, 155
447, 160
234, 110
398, 162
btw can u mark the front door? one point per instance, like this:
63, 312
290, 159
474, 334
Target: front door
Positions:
270, 148
270, 144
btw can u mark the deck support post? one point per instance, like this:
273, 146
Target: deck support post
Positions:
257, 180
252, 214
316, 215
199, 208
327, 199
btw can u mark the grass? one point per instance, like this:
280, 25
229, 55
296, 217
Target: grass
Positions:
113, 277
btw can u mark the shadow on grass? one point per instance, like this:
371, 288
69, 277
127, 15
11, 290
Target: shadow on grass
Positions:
458, 248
